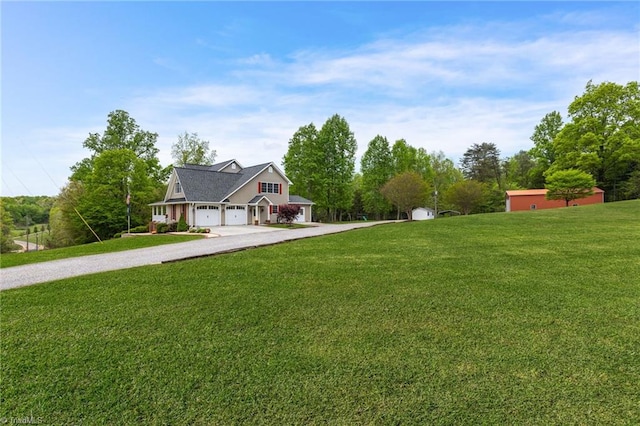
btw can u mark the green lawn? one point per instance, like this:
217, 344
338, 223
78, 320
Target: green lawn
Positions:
116, 244
507, 318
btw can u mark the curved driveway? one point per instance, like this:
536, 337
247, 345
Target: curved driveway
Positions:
229, 239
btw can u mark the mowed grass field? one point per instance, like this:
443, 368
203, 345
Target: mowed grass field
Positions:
514, 318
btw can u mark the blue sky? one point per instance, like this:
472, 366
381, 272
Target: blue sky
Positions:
246, 75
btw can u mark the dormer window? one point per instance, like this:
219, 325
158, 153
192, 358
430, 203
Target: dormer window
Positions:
233, 166
178, 188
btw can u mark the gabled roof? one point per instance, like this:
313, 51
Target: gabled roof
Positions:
219, 166
208, 183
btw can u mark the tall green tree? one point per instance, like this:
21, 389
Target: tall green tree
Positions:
377, 168
466, 195
122, 132
603, 136
543, 136
116, 174
338, 147
123, 161
445, 174
520, 170
481, 162
404, 157
321, 165
406, 191
302, 162
569, 185
190, 149
67, 227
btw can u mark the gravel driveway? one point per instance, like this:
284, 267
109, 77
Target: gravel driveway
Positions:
20, 276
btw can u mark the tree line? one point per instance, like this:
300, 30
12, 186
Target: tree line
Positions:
599, 144
600, 141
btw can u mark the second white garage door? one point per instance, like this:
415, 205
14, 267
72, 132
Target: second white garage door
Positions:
235, 215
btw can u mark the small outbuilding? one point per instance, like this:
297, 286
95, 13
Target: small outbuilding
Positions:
423, 213
535, 199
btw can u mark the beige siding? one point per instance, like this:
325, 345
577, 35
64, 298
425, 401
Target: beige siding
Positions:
250, 190
171, 187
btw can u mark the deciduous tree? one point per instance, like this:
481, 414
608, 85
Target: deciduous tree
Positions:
445, 174
543, 151
6, 225
569, 185
520, 171
123, 161
321, 165
603, 136
406, 191
302, 162
377, 169
190, 149
338, 146
122, 132
465, 195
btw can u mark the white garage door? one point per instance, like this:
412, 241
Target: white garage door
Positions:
236, 215
207, 216
300, 217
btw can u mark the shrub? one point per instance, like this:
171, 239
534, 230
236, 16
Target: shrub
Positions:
162, 228
287, 213
182, 225
140, 229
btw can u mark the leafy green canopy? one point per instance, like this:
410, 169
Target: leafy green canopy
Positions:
377, 168
603, 137
466, 195
569, 185
321, 165
190, 149
123, 162
406, 191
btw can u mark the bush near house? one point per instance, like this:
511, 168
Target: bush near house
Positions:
287, 213
182, 225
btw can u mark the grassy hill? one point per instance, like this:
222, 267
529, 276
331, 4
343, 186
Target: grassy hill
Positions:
514, 318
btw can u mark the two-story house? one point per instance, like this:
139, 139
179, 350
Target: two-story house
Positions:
227, 194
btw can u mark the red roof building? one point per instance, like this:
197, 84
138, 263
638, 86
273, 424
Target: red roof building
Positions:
534, 199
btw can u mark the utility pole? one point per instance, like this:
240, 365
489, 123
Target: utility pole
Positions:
128, 211
435, 197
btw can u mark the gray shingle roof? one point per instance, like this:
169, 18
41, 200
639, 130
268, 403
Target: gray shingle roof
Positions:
202, 183
296, 199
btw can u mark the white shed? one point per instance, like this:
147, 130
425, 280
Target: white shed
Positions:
423, 213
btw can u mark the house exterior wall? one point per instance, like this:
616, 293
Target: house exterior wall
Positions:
227, 211
173, 190
524, 202
250, 190
307, 212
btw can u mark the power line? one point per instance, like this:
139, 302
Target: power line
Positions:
17, 178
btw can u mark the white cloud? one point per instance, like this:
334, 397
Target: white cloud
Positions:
441, 89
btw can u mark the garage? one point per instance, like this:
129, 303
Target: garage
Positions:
235, 215
207, 216
300, 217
